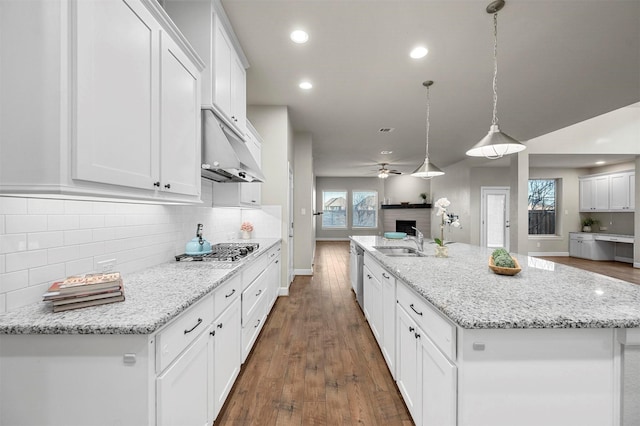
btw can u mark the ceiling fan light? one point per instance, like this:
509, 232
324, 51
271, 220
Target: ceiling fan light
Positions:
427, 170
383, 174
496, 145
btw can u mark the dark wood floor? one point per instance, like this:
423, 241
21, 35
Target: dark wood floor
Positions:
316, 361
620, 270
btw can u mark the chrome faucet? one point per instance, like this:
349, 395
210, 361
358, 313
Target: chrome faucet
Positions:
418, 239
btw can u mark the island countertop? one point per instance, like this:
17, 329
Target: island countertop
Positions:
543, 295
154, 296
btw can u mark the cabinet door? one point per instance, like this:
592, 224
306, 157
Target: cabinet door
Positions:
574, 248
222, 57
372, 290
353, 265
586, 194
180, 124
227, 353
116, 104
183, 390
601, 194
407, 363
622, 193
632, 191
238, 94
388, 302
439, 385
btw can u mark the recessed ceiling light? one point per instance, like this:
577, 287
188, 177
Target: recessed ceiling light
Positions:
306, 85
419, 52
386, 152
599, 163
299, 36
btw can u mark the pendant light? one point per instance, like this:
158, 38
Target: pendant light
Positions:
427, 170
495, 144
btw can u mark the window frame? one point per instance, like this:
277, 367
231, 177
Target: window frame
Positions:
375, 210
556, 198
346, 210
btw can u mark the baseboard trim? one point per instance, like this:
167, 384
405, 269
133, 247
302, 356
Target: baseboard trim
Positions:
303, 272
283, 291
332, 239
636, 264
623, 259
548, 253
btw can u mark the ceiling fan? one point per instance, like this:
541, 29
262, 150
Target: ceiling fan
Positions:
384, 172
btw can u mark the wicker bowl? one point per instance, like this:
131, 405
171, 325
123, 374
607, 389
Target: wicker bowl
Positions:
504, 271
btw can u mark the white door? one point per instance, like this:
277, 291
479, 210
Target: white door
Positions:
495, 217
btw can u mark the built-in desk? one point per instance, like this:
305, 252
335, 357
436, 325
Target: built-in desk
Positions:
597, 246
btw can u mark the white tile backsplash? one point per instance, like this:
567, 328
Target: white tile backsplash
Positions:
16, 224
79, 234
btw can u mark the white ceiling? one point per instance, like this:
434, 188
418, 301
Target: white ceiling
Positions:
560, 62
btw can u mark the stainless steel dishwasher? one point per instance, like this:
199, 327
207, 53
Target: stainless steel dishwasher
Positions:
359, 277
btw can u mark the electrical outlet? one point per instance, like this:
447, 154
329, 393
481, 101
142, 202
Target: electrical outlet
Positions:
107, 265
537, 244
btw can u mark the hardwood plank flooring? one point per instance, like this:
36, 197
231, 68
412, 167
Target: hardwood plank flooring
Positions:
316, 361
620, 270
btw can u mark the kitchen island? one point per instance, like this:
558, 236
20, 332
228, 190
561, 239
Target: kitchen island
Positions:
169, 354
551, 345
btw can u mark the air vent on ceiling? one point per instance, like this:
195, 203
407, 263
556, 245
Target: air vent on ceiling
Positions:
386, 129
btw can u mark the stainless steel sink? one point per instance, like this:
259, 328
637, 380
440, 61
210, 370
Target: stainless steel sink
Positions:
399, 251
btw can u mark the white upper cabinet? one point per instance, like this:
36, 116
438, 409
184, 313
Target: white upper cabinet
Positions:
224, 78
120, 94
608, 192
622, 193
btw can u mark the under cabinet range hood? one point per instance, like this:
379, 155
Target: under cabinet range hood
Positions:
225, 158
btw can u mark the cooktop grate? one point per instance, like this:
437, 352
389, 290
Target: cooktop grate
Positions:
222, 252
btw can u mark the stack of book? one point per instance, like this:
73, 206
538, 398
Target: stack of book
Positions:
80, 291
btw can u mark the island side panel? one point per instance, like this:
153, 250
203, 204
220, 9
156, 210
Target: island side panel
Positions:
538, 377
76, 380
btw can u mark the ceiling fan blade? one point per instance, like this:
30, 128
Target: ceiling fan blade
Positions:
394, 172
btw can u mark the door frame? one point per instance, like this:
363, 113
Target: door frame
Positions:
484, 191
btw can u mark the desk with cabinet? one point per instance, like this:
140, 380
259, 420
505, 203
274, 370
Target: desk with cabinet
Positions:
596, 246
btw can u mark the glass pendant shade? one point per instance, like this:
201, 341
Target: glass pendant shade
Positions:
495, 144
427, 170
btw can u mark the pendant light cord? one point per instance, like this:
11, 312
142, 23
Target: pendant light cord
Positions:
427, 153
495, 69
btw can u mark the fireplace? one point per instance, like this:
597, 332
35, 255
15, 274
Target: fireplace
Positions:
406, 226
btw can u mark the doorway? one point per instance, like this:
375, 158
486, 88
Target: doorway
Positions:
494, 218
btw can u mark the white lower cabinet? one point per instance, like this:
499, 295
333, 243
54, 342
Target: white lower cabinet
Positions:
184, 389
372, 291
227, 353
407, 365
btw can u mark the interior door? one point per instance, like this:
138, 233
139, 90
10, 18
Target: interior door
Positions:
495, 217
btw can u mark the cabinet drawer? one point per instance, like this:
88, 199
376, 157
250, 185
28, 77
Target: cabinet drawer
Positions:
224, 295
252, 326
183, 330
273, 253
438, 329
378, 271
251, 272
252, 295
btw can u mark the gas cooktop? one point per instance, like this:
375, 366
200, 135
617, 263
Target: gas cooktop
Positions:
223, 252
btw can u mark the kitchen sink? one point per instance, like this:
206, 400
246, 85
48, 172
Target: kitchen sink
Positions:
399, 251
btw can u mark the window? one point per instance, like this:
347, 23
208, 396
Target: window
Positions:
542, 206
334, 209
365, 209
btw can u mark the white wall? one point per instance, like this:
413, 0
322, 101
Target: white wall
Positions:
303, 205
45, 240
406, 189
272, 122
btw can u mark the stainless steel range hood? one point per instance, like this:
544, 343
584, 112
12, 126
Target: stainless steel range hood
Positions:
225, 158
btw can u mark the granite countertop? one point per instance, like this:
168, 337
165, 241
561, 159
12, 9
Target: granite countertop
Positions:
543, 295
154, 296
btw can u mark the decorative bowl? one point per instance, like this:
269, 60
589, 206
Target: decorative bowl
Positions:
395, 235
504, 271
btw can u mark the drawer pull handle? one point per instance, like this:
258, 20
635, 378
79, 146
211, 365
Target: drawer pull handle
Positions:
385, 275
231, 294
194, 327
259, 293
369, 276
414, 310
257, 324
